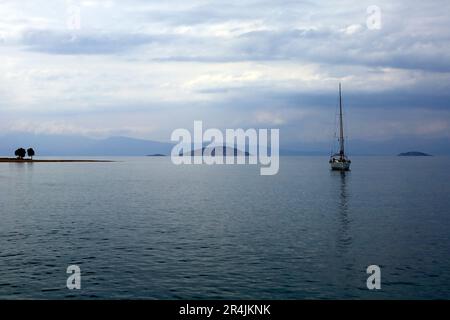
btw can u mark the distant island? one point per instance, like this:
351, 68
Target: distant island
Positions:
212, 151
21, 153
156, 155
16, 160
414, 154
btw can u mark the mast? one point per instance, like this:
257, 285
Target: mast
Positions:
341, 126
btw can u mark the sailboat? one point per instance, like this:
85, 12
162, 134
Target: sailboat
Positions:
339, 161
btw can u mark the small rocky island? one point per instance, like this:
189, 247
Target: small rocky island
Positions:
414, 154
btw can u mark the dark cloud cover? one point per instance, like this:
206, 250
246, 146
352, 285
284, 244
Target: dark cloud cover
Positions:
239, 62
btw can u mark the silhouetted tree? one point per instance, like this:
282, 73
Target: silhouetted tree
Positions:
20, 153
30, 153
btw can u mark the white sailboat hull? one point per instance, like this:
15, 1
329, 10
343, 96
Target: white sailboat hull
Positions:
342, 166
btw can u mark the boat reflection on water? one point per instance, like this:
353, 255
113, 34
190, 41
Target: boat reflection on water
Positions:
345, 262
344, 237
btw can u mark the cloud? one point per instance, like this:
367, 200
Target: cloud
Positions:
83, 43
137, 64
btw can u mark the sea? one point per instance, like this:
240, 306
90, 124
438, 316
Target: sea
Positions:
144, 228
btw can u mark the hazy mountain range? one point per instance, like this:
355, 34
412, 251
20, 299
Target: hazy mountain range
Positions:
66, 145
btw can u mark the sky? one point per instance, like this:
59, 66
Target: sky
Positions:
145, 68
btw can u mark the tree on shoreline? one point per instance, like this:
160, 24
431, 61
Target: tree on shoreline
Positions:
20, 153
31, 153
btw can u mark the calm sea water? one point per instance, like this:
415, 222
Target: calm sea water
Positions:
144, 228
